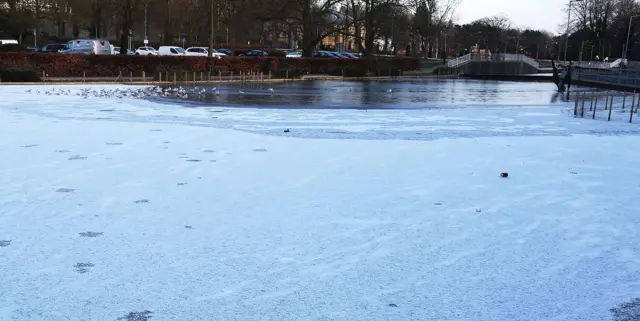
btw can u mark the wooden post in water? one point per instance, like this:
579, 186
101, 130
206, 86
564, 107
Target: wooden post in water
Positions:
606, 102
610, 109
611, 102
575, 107
595, 106
593, 94
624, 100
582, 110
633, 100
631, 112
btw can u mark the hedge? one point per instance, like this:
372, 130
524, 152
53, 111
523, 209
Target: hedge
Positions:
13, 47
76, 65
18, 75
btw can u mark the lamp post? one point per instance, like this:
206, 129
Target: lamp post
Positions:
566, 41
626, 46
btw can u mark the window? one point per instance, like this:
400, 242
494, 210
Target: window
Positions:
173, 51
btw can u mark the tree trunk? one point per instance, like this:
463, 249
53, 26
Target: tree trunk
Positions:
211, 27
167, 39
37, 22
127, 23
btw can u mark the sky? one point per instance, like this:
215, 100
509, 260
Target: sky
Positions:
535, 14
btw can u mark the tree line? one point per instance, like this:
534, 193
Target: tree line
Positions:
409, 27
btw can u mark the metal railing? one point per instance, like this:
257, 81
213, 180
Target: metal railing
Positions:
619, 77
460, 61
600, 65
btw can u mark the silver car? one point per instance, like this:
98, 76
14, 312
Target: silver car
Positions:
87, 47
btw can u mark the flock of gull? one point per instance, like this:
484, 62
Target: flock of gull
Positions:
154, 91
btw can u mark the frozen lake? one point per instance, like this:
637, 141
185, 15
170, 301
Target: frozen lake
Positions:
374, 94
125, 209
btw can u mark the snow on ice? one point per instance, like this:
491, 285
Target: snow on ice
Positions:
127, 209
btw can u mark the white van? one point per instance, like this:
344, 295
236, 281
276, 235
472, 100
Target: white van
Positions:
170, 51
8, 41
88, 47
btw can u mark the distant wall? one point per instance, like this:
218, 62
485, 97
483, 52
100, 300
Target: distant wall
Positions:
498, 68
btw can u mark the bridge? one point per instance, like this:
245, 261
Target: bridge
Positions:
515, 64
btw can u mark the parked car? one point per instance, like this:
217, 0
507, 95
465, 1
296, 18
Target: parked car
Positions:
8, 41
323, 54
256, 53
202, 52
54, 47
146, 51
87, 47
350, 55
227, 52
294, 54
170, 51
33, 49
116, 51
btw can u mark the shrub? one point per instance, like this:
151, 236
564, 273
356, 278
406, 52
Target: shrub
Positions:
13, 47
18, 75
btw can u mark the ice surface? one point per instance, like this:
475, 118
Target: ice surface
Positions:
399, 219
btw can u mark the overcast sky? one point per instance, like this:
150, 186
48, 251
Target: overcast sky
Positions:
535, 14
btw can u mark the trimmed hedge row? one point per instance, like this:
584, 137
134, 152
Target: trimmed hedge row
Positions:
61, 65
18, 75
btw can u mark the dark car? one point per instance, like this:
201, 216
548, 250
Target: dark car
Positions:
227, 52
256, 53
324, 54
56, 47
33, 49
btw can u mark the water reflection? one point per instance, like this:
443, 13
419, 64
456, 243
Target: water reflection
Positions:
397, 94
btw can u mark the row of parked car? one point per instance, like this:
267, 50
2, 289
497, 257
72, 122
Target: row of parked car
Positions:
103, 47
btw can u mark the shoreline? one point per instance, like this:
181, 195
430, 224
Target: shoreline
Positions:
103, 81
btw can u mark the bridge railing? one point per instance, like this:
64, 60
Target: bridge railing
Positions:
460, 61
599, 64
610, 76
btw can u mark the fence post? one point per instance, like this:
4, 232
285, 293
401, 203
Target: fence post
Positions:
575, 107
610, 109
595, 106
611, 102
220, 75
582, 109
624, 100
160, 77
131, 76
144, 77
201, 76
84, 78
633, 100
287, 74
606, 102
174, 78
591, 103
631, 112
